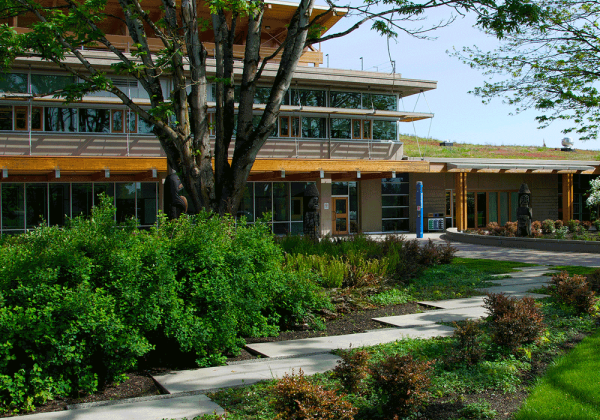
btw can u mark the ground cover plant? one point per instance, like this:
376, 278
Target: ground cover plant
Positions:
81, 306
459, 387
547, 229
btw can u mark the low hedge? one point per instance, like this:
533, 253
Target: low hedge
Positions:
80, 306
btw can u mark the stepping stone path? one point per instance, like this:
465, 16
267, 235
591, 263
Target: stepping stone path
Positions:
312, 355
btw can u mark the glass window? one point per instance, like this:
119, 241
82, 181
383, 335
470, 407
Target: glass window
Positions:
37, 204
382, 102
36, 118
340, 128
394, 200
313, 127
503, 208
21, 118
95, 120
393, 213
60, 205
395, 203
13, 82
13, 206
493, 203
514, 204
82, 199
308, 97
339, 188
353, 194
261, 95
144, 127
246, 208
281, 201
384, 130
146, 203
117, 121
394, 187
263, 198
107, 188
6, 118
481, 213
48, 83
297, 204
125, 200
345, 100
60, 119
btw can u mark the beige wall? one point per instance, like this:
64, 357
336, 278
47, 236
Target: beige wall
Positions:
370, 205
324, 186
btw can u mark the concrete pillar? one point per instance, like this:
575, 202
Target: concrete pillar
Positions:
460, 185
567, 197
324, 186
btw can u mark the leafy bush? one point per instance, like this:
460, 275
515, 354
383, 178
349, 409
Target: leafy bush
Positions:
80, 306
558, 224
513, 322
391, 297
511, 228
296, 398
593, 280
402, 383
468, 348
548, 227
352, 369
494, 229
536, 229
478, 410
573, 291
574, 226
561, 232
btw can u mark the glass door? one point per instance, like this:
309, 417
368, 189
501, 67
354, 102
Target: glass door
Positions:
340, 216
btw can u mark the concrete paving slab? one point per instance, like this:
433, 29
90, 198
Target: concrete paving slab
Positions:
523, 280
513, 289
431, 317
325, 344
165, 408
454, 303
243, 373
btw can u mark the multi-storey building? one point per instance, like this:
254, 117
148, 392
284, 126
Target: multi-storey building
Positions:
337, 128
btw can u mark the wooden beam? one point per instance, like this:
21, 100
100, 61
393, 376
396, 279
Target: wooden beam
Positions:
460, 186
567, 197
77, 164
339, 165
266, 176
99, 176
306, 176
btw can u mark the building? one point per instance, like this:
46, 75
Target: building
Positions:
337, 128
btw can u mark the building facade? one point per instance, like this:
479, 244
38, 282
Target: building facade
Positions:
339, 129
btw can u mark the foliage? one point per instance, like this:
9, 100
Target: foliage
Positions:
296, 398
468, 346
391, 297
573, 225
574, 291
551, 67
561, 232
513, 322
593, 280
478, 410
402, 383
80, 306
352, 369
548, 227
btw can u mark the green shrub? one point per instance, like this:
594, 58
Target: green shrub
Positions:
401, 383
558, 224
80, 306
573, 291
391, 297
548, 227
593, 280
561, 232
513, 322
478, 410
468, 348
296, 398
574, 226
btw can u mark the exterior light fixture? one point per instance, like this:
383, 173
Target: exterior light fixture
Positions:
107, 173
57, 173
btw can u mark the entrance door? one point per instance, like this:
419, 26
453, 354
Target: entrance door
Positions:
340, 216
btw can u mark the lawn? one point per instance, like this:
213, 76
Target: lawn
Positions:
571, 387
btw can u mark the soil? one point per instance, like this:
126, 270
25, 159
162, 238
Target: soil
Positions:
141, 383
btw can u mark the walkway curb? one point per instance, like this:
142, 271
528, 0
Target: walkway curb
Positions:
555, 245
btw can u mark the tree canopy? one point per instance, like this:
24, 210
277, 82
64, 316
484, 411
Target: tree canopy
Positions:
553, 67
60, 28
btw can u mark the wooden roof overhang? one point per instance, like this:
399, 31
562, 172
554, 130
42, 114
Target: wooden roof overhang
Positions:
129, 169
522, 166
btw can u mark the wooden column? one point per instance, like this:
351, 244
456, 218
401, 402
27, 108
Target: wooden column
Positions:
460, 186
567, 197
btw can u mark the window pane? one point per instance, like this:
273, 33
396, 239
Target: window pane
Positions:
313, 127
353, 193
6, 117
246, 208
339, 188
340, 128
21, 118
60, 205
481, 213
36, 118
395, 188
281, 203
37, 204
60, 119
13, 82
394, 200
384, 130
106, 188
503, 208
48, 83
281, 228
144, 127
13, 206
366, 129
125, 198
263, 198
261, 95
383, 102
398, 225
470, 210
117, 121
493, 199
82, 199
306, 97
514, 204
146, 203
95, 120
393, 213
345, 100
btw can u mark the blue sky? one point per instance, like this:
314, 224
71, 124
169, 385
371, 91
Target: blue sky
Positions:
459, 116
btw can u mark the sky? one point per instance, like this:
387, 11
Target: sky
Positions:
459, 116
